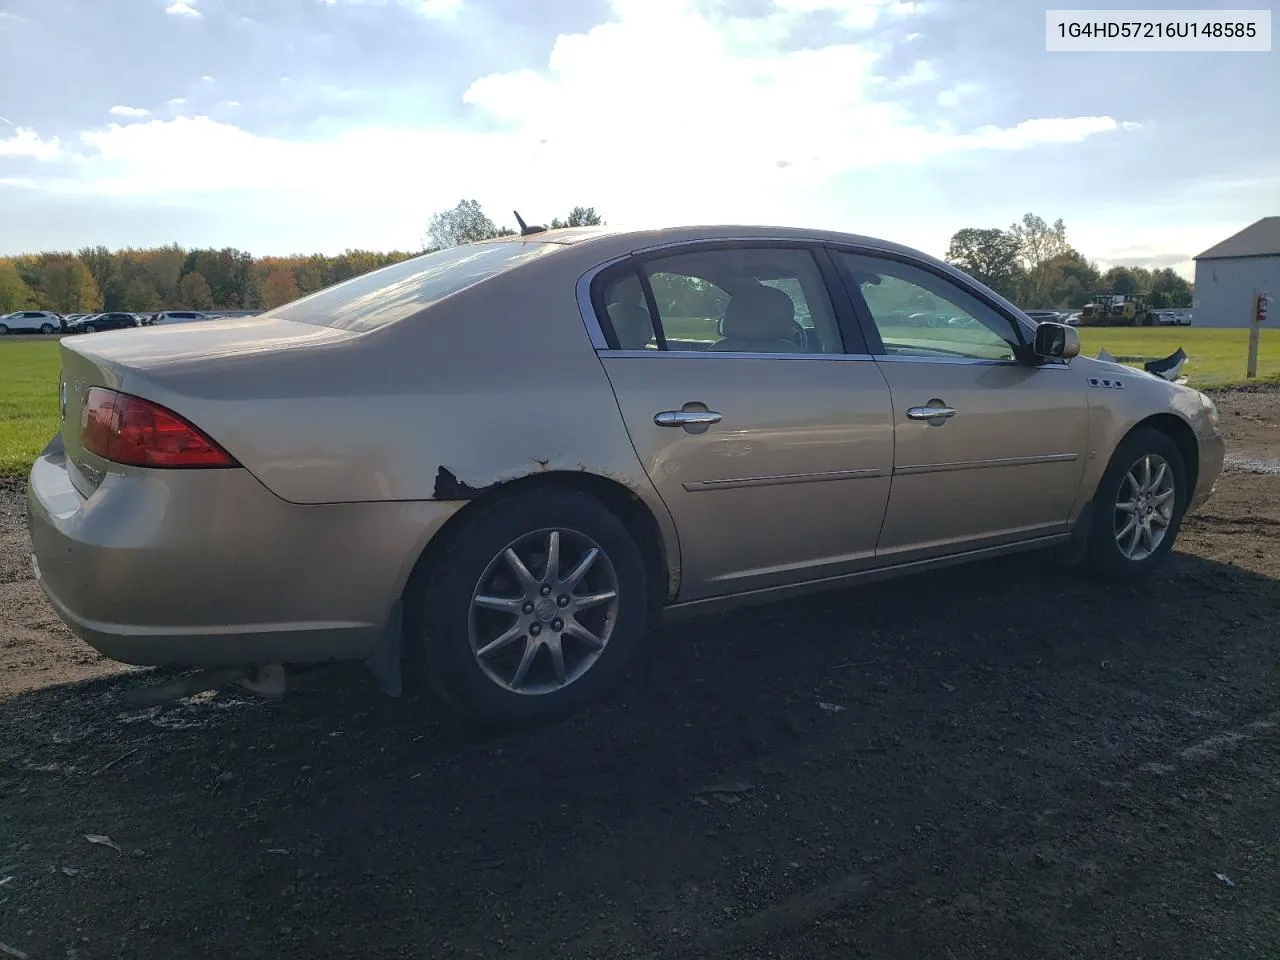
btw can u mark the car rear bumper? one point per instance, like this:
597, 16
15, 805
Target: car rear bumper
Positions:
208, 568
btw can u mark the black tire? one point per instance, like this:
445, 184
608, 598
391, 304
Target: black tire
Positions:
4, 331
442, 630
46, 328
1105, 556
90, 328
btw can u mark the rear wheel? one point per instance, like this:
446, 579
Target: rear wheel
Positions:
46, 328
3, 330
535, 609
1139, 505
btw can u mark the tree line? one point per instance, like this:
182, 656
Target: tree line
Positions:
145, 280
1032, 264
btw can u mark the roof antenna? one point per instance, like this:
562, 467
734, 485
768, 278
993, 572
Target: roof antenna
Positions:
525, 229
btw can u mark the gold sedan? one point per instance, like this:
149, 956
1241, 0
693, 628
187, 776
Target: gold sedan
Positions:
514, 456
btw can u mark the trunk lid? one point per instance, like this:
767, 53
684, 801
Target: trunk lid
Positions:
115, 359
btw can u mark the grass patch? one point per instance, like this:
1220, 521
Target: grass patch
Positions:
28, 402
1216, 358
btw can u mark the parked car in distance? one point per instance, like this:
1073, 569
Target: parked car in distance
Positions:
103, 321
1040, 316
514, 456
31, 321
174, 316
1174, 318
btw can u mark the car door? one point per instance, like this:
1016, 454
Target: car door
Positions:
753, 405
989, 447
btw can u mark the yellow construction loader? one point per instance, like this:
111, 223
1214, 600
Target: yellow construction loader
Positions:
1117, 310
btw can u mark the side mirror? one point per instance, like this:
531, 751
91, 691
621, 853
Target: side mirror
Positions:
1056, 341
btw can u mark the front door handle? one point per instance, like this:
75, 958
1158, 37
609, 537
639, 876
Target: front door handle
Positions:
686, 418
930, 413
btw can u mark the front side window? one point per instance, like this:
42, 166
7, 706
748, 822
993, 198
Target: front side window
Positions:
921, 314
767, 300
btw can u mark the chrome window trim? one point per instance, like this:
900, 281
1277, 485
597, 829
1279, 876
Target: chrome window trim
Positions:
730, 354
969, 361
588, 312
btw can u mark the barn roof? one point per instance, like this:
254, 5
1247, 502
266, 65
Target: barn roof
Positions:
1261, 239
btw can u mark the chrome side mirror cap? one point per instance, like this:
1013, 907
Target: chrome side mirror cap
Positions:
1056, 341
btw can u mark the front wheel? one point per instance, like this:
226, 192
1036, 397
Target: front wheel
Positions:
90, 328
534, 610
1139, 502
4, 331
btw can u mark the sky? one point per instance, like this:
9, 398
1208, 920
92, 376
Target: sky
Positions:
300, 126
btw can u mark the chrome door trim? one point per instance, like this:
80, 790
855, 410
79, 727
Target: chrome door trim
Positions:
690, 608
780, 479
983, 464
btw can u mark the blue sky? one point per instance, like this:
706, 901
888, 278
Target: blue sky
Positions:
282, 126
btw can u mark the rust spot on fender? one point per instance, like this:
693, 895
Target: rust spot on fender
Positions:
449, 487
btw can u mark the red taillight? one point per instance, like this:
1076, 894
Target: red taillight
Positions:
137, 432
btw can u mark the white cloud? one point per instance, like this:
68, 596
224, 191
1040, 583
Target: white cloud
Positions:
432, 9
206, 79
181, 9
177, 101
437, 9
230, 103
951, 97
122, 111
921, 72
732, 119
27, 143
851, 14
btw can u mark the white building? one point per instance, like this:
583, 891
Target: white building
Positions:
1228, 274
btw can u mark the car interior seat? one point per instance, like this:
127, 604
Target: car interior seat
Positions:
759, 319
631, 325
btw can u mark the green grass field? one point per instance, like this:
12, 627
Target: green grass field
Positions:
28, 402
1216, 358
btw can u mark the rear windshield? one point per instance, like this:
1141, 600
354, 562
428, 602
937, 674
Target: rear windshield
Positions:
392, 293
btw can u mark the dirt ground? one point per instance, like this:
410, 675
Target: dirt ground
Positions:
1012, 762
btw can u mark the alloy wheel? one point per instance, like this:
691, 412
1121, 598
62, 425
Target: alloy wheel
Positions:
543, 611
1144, 507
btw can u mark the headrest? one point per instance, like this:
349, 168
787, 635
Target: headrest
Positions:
760, 313
631, 324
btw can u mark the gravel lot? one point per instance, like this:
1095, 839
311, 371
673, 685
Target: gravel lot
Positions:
1015, 762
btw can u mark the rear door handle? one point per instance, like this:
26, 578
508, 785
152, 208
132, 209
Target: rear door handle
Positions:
930, 413
686, 418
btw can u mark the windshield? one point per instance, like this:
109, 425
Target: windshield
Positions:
392, 293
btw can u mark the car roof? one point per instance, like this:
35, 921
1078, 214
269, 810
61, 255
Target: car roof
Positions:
652, 237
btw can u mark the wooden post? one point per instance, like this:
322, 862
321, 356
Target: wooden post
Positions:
1255, 329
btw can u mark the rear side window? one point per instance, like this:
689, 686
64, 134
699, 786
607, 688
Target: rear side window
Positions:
392, 293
